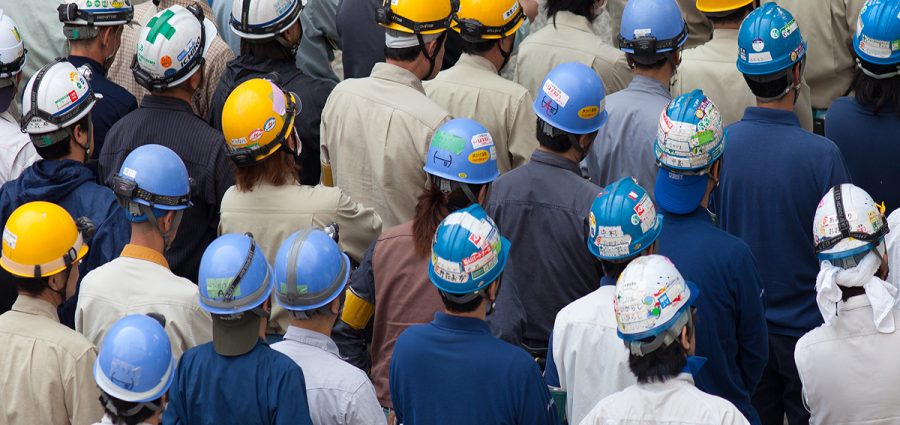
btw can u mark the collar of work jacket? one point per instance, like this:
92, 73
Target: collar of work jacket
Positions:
396, 74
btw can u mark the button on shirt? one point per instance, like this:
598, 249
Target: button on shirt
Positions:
624, 146
472, 88
375, 133
46, 368
848, 369
16, 152
338, 393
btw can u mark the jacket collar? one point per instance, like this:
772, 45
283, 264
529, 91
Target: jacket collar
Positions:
649, 85
165, 102
143, 253
458, 323
311, 338
773, 116
35, 306
554, 160
698, 215
394, 73
725, 34
477, 62
571, 20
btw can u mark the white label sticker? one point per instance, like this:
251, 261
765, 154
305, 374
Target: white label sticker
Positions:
512, 11
875, 48
760, 57
482, 140
641, 32
555, 93
9, 238
128, 172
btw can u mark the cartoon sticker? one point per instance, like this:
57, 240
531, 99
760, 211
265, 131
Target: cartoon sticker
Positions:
758, 45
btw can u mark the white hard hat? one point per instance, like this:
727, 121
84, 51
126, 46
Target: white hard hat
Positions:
848, 222
650, 298
12, 49
56, 96
95, 12
171, 47
261, 19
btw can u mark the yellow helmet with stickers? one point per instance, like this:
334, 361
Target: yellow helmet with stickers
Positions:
257, 119
487, 19
41, 239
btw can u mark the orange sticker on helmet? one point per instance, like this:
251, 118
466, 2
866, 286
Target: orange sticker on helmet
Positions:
479, 157
165, 61
588, 112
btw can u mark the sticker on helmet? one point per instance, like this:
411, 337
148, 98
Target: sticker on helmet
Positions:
269, 125
789, 28
774, 33
593, 224
9, 238
646, 212
238, 142
642, 32
588, 112
450, 276
189, 51
255, 135
479, 157
462, 175
482, 140
635, 220
216, 287
15, 32
875, 48
512, 10
632, 196
448, 142
129, 172
555, 93
493, 153
760, 57
758, 45
165, 61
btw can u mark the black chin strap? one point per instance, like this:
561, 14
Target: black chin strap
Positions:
437, 48
506, 55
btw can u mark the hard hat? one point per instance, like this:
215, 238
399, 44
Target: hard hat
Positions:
171, 47
652, 298
234, 275
877, 37
651, 27
623, 221
257, 118
572, 98
92, 13
55, 97
40, 239
415, 16
477, 20
847, 222
135, 363
153, 176
719, 6
261, 19
769, 41
12, 48
462, 150
468, 252
310, 270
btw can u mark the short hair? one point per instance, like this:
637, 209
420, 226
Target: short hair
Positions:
662, 364
478, 48
659, 63
558, 143
579, 7
278, 169
735, 16
121, 406
402, 54
614, 269
33, 286
61, 149
269, 49
876, 94
466, 307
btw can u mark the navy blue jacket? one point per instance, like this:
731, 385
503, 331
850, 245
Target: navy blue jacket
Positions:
731, 321
869, 145
773, 176
452, 371
262, 387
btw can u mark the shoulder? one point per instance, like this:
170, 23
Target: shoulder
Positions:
404, 230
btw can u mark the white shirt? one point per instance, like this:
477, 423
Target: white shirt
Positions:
107, 420
16, 150
849, 370
338, 393
591, 359
674, 402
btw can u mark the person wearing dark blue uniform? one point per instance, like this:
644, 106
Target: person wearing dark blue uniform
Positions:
237, 378
731, 325
452, 370
772, 178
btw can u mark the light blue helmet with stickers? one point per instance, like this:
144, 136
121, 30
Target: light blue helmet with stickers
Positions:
877, 38
462, 150
468, 253
572, 98
769, 41
234, 275
623, 222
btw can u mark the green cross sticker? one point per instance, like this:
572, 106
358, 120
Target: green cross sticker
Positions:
160, 25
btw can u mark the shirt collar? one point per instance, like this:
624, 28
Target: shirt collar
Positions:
571, 20
144, 253
649, 85
607, 281
694, 364
459, 323
775, 116
554, 160
477, 62
725, 34
391, 72
96, 67
165, 102
311, 338
699, 214
35, 306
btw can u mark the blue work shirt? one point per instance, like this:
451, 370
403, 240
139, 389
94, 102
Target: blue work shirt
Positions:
868, 143
774, 173
452, 371
731, 321
261, 387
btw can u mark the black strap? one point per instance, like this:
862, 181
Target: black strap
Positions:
229, 292
148, 81
386, 16
844, 226
244, 23
35, 112
650, 45
9, 68
473, 30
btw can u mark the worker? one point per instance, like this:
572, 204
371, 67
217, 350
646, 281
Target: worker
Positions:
651, 37
622, 225
549, 272
313, 273
861, 124
710, 66
16, 152
94, 34
568, 38
173, 74
772, 161
45, 367
474, 88
321, 42
360, 36
375, 130
266, 181
237, 378
481, 378
731, 330
134, 370
57, 117
391, 270
270, 35
216, 53
655, 313
836, 361
699, 27
154, 189
829, 25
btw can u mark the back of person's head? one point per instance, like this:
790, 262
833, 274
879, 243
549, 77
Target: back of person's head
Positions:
652, 33
726, 12
570, 103
770, 47
483, 25
312, 273
410, 28
12, 59
94, 29
267, 28
876, 83
848, 225
585, 8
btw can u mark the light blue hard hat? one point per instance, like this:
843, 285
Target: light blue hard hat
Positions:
234, 275
651, 27
310, 270
623, 221
572, 98
135, 362
877, 37
153, 176
769, 41
462, 150
468, 252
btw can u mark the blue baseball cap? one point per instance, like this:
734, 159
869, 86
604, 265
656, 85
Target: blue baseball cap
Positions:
679, 193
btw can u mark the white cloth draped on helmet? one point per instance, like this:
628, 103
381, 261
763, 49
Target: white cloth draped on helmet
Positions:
893, 250
881, 294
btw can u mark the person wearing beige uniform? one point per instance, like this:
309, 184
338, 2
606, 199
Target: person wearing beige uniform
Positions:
474, 88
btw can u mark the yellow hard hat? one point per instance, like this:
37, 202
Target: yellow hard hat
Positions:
257, 118
715, 6
415, 16
41, 239
487, 19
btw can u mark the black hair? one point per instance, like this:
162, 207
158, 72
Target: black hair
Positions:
268, 49
61, 149
478, 48
735, 16
614, 269
662, 364
579, 7
33, 286
466, 307
558, 143
402, 54
122, 406
876, 94
659, 63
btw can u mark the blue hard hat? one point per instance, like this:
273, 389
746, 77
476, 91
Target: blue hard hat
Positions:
622, 222
877, 38
155, 176
462, 150
468, 252
572, 98
135, 362
769, 41
651, 27
310, 270
234, 263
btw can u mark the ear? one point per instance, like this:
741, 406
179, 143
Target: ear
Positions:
57, 282
194, 81
796, 72
715, 168
167, 220
335, 306
483, 194
432, 46
685, 339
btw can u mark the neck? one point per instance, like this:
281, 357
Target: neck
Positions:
76, 152
663, 74
478, 313
48, 296
418, 67
141, 236
494, 56
786, 103
177, 93
322, 324
93, 54
571, 154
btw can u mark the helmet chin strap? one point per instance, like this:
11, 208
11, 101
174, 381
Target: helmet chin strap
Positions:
431, 58
506, 55
167, 236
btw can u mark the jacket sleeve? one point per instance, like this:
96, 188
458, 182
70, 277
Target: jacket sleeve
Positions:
363, 407
320, 38
536, 405
82, 395
752, 332
551, 375
175, 413
522, 141
359, 226
353, 332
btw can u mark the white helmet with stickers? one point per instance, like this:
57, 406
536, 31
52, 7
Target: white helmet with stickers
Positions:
848, 222
262, 19
56, 97
172, 46
100, 13
12, 48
